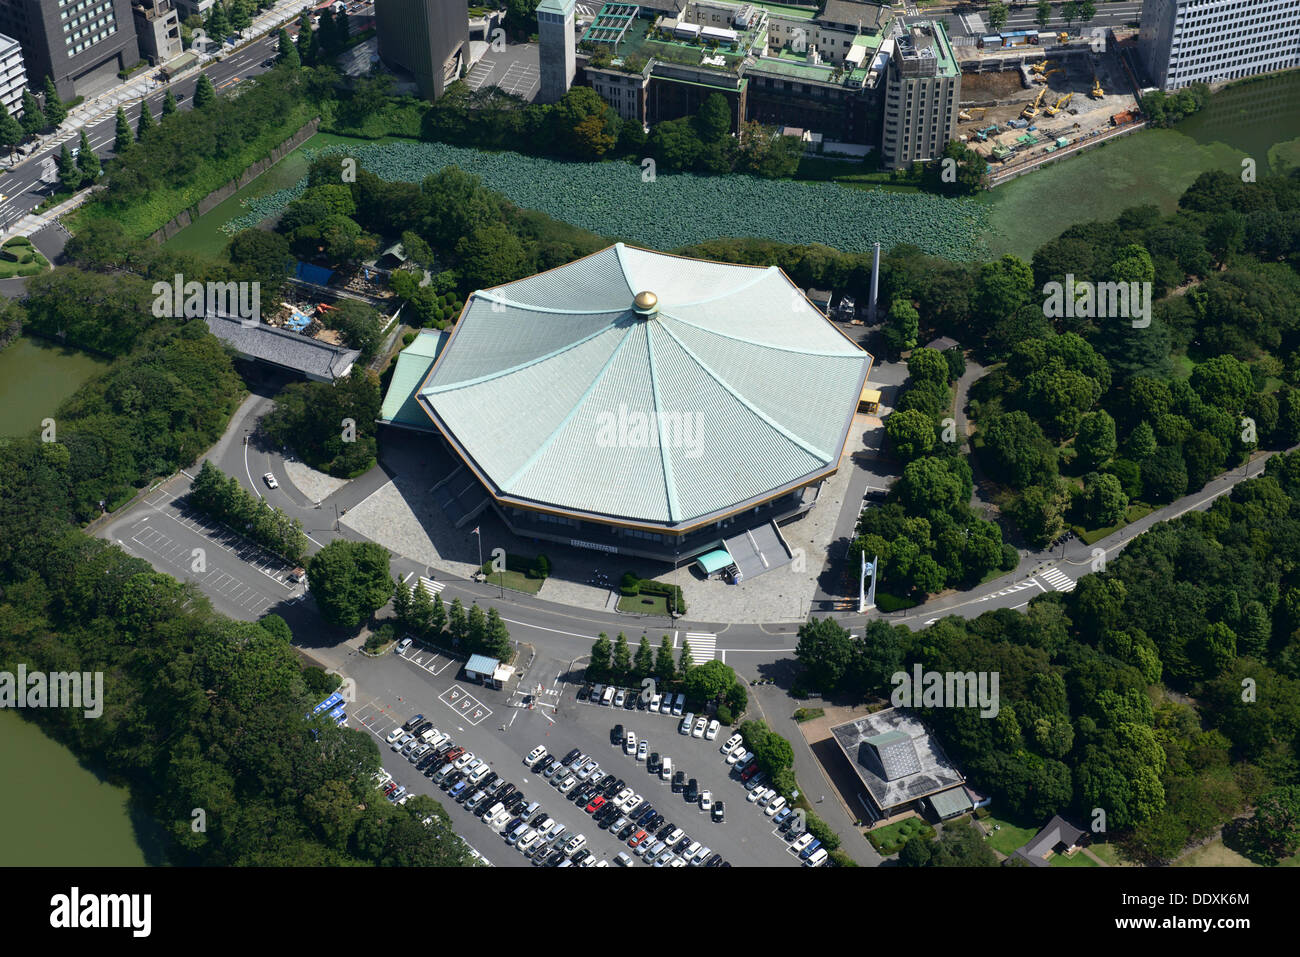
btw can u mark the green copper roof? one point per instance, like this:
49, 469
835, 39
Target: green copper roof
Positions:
413, 364
560, 394
559, 7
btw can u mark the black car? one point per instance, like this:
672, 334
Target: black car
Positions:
604, 820
610, 789
619, 785
556, 859
570, 756
506, 793
514, 823
692, 790
422, 727
630, 703
663, 832
605, 782
444, 750
683, 844
451, 780
628, 830
545, 764
719, 812
488, 781
616, 734
584, 692
581, 856
424, 762
679, 781
641, 702
415, 719
517, 800
654, 763
714, 861
645, 816
656, 823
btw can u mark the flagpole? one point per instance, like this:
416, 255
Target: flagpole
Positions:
479, 536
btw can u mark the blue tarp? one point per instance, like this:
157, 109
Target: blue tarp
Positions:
317, 274
328, 703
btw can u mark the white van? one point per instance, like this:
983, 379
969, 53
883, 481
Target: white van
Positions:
655, 701
818, 858
528, 840
685, 726
666, 772
680, 705
608, 696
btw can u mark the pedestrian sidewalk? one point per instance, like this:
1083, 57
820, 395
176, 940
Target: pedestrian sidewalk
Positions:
34, 222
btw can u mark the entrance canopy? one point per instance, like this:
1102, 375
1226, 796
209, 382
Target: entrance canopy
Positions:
715, 561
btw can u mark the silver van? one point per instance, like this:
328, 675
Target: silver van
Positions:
680, 704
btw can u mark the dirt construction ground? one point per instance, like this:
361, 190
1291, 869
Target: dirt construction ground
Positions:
1079, 117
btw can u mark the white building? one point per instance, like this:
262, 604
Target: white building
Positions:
557, 54
1210, 41
13, 75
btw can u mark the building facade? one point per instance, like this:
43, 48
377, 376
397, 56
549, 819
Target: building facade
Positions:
557, 48
1211, 41
427, 39
922, 91
13, 75
158, 29
82, 44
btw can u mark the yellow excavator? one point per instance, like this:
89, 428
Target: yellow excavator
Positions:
974, 113
1041, 65
1042, 77
1097, 92
1062, 38
1059, 105
1031, 111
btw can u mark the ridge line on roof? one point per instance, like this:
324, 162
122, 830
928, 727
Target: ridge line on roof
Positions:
488, 377
733, 290
765, 345
665, 459
485, 294
780, 429
537, 453
623, 266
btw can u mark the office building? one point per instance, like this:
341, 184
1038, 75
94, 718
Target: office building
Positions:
13, 75
82, 44
158, 29
428, 40
1212, 41
922, 91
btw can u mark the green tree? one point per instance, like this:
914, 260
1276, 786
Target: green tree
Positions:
1087, 10
1095, 442
419, 613
87, 161
916, 852
169, 104
713, 120
903, 328
33, 118
204, 93
350, 581
69, 175
457, 623
1003, 287
826, 652
1104, 500
124, 137
1070, 11
645, 659
496, 639
476, 629
437, 617
911, 432
287, 51
1043, 15
11, 131
217, 25
55, 111
491, 255
145, 124
684, 660
601, 651
1141, 442
622, 664
1040, 512
1015, 450
665, 667
1273, 832
997, 15
709, 682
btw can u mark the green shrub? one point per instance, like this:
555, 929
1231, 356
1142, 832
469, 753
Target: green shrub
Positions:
630, 584
725, 715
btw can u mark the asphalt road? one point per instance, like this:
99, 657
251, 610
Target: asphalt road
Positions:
24, 187
1114, 15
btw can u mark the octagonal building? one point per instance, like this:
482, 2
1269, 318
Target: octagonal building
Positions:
639, 403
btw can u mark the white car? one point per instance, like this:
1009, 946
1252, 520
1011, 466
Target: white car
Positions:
270, 481
642, 749
622, 796
804, 841
739, 753
568, 784
464, 760
700, 725
712, 733
818, 858
395, 735
706, 800
685, 726
534, 754
403, 645
774, 806
403, 741
620, 698
629, 743
633, 802
731, 744
755, 794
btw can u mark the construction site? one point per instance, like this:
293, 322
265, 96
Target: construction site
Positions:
1030, 101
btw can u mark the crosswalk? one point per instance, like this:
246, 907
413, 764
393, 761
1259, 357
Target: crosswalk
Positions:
1057, 579
704, 646
431, 586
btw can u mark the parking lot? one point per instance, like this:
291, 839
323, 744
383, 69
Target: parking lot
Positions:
237, 574
515, 70
504, 734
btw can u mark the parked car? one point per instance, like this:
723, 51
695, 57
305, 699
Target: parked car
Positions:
680, 704
679, 781
692, 790
629, 743
595, 804
688, 721
776, 804
700, 725
817, 859
642, 750
616, 734
734, 757
403, 645
706, 800
666, 769
719, 812
534, 755
712, 731
620, 698
623, 860
403, 741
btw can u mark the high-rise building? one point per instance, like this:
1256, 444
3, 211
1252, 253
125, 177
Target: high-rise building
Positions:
427, 39
13, 75
1208, 41
557, 48
158, 28
923, 87
82, 44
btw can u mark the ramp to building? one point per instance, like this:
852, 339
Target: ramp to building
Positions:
460, 496
759, 550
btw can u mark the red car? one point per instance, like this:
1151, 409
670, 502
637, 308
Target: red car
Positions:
453, 754
596, 804
636, 838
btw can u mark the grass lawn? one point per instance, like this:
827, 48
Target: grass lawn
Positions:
10, 269
1110, 854
1214, 854
1183, 365
887, 602
1010, 838
517, 581
1079, 859
644, 604
890, 840
808, 714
